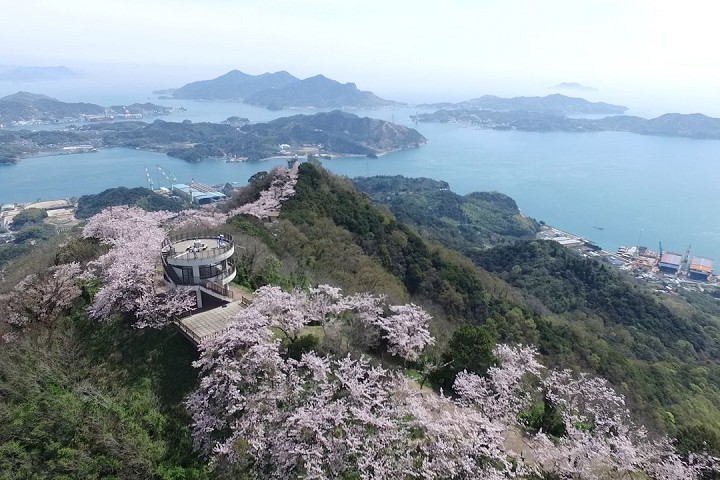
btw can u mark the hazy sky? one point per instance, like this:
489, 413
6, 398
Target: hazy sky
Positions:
408, 50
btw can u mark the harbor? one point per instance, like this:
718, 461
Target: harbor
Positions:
666, 271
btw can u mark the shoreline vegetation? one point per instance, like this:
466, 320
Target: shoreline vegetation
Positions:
323, 133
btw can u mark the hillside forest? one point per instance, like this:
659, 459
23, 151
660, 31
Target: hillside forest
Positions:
398, 330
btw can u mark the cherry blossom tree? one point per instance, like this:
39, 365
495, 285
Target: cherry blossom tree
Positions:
323, 417
320, 417
405, 329
196, 219
42, 298
128, 270
282, 188
601, 440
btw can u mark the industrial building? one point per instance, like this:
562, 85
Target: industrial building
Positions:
670, 262
197, 193
699, 268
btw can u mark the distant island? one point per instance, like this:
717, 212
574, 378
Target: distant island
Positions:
574, 86
24, 108
694, 125
234, 85
555, 103
279, 90
322, 134
24, 73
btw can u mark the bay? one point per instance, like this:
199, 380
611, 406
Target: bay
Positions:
612, 188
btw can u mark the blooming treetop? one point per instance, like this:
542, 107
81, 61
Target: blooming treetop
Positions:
135, 236
282, 187
321, 417
601, 440
405, 329
197, 219
42, 298
128, 269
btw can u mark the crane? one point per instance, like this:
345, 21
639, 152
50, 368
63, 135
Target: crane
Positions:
172, 180
686, 259
149, 179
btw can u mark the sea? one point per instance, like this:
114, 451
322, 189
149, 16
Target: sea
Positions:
611, 188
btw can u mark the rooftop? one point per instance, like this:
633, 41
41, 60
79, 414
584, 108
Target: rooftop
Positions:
670, 258
702, 265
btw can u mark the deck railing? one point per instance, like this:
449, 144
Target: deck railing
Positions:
220, 275
171, 273
188, 333
223, 290
227, 244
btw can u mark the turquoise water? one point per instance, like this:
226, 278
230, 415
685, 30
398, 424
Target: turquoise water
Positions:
634, 187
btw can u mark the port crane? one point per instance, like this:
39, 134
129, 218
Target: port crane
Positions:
172, 180
149, 178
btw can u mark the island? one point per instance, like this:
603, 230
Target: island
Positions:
318, 92
324, 134
694, 125
555, 103
279, 90
233, 86
25, 108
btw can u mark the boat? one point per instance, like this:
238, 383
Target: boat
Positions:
598, 228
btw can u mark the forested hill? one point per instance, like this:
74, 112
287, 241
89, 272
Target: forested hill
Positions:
36, 108
694, 125
88, 399
234, 85
663, 350
318, 92
280, 90
461, 222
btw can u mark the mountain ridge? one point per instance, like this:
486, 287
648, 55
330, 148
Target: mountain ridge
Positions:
280, 90
234, 85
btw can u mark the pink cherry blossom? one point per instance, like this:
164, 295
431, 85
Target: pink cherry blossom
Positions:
42, 298
131, 284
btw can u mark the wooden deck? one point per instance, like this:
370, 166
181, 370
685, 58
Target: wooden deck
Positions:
200, 326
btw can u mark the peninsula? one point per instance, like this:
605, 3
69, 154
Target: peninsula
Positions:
325, 133
24, 108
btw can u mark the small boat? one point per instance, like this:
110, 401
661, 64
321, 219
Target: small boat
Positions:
598, 228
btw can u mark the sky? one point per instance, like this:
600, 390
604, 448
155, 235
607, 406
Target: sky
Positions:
657, 53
